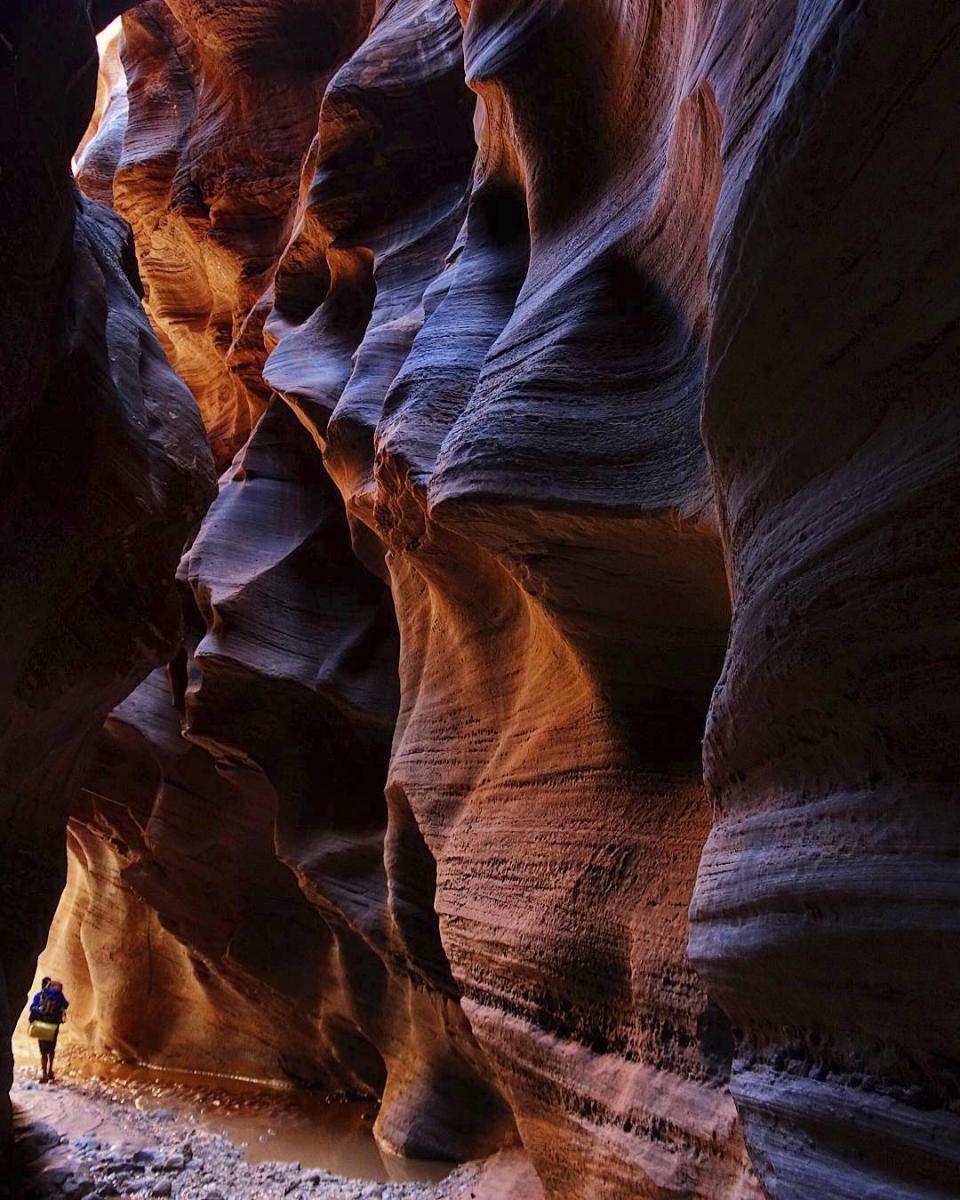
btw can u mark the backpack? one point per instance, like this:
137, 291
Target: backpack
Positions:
48, 1007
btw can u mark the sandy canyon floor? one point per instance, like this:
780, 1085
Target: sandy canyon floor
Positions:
126, 1132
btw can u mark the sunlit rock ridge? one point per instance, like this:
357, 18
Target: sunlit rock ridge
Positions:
559, 734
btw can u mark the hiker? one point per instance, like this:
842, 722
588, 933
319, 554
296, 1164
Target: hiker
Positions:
50, 1006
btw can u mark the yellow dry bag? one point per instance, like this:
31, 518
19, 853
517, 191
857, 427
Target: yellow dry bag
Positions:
46, 1031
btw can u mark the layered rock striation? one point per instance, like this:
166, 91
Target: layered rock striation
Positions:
825, 916
298, 717
550, 533
581, 356
223, 104
407, 259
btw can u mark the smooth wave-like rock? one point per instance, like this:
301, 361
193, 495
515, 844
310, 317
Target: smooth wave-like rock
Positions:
519, 680
297, 675
566, 334
168, 929
105, 471
825, 919
210, 204
108, 125
550, 532
311, 702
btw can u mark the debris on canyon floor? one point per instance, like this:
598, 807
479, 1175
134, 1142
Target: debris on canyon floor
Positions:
86, 1136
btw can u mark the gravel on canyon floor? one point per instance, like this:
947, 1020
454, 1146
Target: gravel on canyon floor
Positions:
123, 1151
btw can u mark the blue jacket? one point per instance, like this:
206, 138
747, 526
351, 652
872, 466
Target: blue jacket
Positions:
49, 1006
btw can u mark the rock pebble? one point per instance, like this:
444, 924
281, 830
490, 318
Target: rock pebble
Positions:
166, 1155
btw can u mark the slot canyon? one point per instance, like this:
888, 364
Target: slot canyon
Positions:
481, 575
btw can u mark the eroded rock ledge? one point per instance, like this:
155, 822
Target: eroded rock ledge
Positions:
463, 281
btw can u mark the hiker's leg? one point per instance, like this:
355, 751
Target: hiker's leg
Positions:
44, 1063
53, 1050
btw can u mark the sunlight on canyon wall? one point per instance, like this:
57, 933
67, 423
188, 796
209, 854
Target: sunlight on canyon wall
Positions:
565, 664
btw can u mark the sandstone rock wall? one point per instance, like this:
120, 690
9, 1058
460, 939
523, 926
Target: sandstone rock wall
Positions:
300, 716
572, 999
494, 262
825, 916
563, 609
223, 103
104, 465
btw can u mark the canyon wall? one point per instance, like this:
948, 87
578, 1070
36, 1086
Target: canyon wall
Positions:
461, 282
105, 471
825, 920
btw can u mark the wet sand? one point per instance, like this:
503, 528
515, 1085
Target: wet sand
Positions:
111, 1130
268, 1123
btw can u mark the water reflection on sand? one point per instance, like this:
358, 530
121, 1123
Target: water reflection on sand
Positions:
272, 1122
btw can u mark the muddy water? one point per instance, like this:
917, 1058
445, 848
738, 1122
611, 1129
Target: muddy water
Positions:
268, 1123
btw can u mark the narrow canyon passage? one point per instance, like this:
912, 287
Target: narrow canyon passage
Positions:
480, 584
